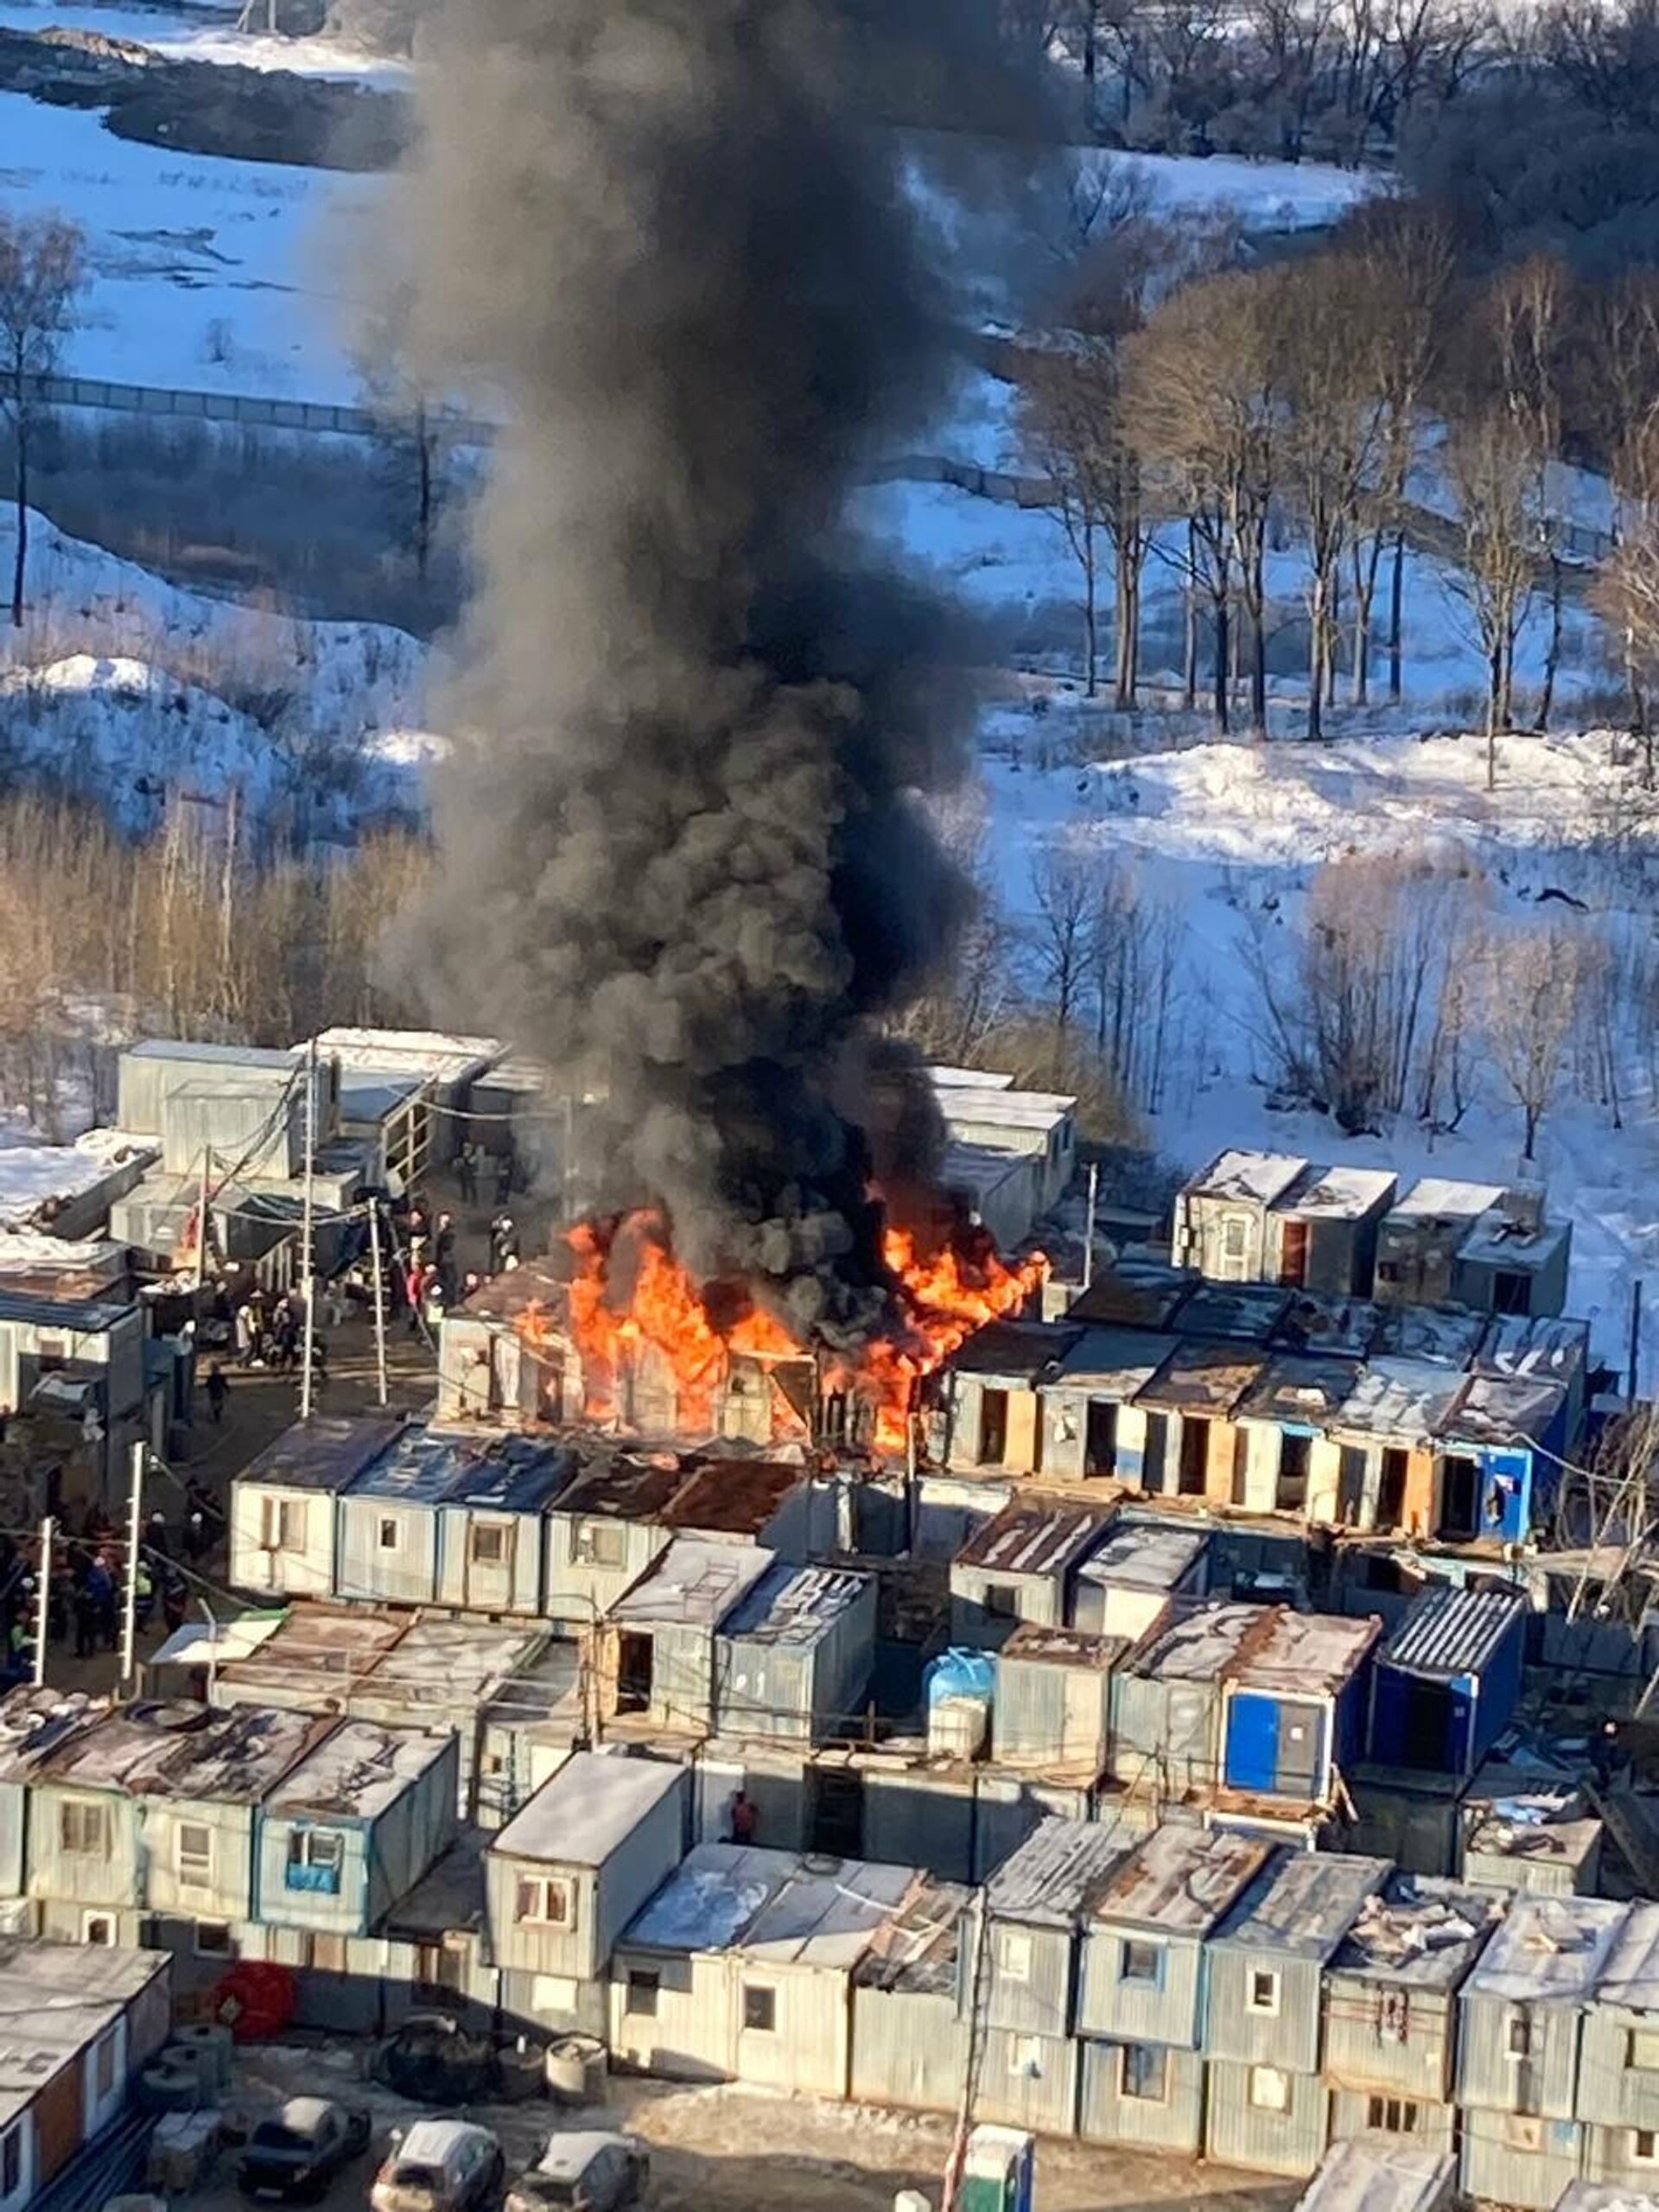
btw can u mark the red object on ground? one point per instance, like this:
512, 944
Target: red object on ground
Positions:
255, 1999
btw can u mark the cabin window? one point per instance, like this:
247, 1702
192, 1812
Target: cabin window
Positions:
212, 1940
1016, 1956
97, 1928
11, 2161
1394, 2116
546, 1901
1518, 2043
103, 2063
1002, 1601
489, 1544
759, 2008
1269, 2089
1511, 1292
1393, 2016
315, 1857
194, 1857
82, 1829
598, 1543
1644, 2146
644, 1986
1142, 1962
1642, 2050
1264, 1992
1143, 2074
281, 1524
1025, 2057
387, 1536
993, 1427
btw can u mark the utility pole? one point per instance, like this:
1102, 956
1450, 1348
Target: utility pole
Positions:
308, 1230
1088, 1226
379, 1300
130, 1600
1635, 1334
42, 1598
201, 1216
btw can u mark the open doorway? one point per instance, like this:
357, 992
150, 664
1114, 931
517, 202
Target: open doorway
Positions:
1100, 1439
1195, 1455
1391, 1491
993, 1427
1295, 1450
1460, 1496
634, 1655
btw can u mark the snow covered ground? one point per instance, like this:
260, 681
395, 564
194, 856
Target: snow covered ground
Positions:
185, 34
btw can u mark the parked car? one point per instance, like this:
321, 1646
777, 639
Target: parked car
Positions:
439, 2165
297, 2153
587, 2171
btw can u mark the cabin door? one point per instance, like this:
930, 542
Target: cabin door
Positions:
489, 1564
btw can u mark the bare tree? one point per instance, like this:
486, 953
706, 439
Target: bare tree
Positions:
42, 271
1529, 980
1621, 405
1065, 896
1489, 465
1626, 594
1526, 307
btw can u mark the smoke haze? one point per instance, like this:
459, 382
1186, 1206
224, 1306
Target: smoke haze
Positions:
683, 860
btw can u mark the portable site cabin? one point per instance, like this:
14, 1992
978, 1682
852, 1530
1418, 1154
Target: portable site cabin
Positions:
503, 1358
1124, 1584
490, 1535
1284, 1462
1188, 1444
1369, 2174
1619, 2059
793, 1658
1498, 1451
992, 1388
315, 1659
986, 1111
33, 1723
1519, 2015
909, 2033
352, 1827
1051, 1708
1222, 1215
564, 1878
1021, 1566
1322, 1232
79, 2026
1446, 1680
1265, 1965
1090, 1427
1513, 1260
445, 1066
740, 1968
151, 1075
85, 1358
1384, 1432
441, 1672
1391, 1997
1420, 1235
1141, 1990
284, 1504
388, 1520
1166, 1699
527, 1730
1526, 1829
655, 1649
1033, 1907
1607, 2196
1546, 1349
1294, 1705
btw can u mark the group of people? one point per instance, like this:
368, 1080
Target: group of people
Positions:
84, 1597
271, 1334
432, 1280
475, 1165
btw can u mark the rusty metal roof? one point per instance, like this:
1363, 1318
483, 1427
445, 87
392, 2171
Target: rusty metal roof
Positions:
1033, 1537
1181, 1878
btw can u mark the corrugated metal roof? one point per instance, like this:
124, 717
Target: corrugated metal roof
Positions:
1306, 1904
1034, 1644
1375, 2175
1200, 1377
1438, 1334
1052, 1873
796, 1605
774, 1905
1306, 1651
218, 1056
1550, 1948
88, 1316
1179, 1878
1255, 1177
1446, 1631
1197, 1645
693, 1582
1300, 1387
1632, 1975
328, 1452
1030, 1536
1420, 1930
1144, 1555
588, 1809
511, 1474
1504, 1410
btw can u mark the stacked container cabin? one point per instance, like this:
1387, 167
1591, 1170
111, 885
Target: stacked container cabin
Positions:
1619, 2062
1391, 1995
1222, 1215
656, 1659
1530, 1827
1190, 1445
1092, 1429
389, 1520
490, 1541
1384, 1432
1141, 1994
1267, 2106
567, 1873
1445, 1683
1021, 1566
1136, 1569
1284, 1461
1024, 1986
1053, 1704
1322, 1232
1368, 2175
33, 1723
993, 1400
794, 1657
909, 2036
1520, 2016
1294, 1709
1166, 1699
440, 1674
284, 1505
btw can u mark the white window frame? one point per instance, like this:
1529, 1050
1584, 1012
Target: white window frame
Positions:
1637, 2041
194, 1870
1279, 2102
1135, 2096
546, 1887
78, 1809
1153, 1949
1025, 2057
1015, 1954
1264, 2008
388, 1533
499, 1534
1518, 2051
1650, 2156
317, 1847
281, 1524
585, 1543
90, 1922
769, 1990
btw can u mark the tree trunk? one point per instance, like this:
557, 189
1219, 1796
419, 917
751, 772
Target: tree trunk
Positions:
1190, 650
1494, 708
1365, 568
21, 557
1222, 644
1090, 628
423, 495
1127, 673
1317, 618
1552, 658
1396, 606
1258, 674
1529, 1148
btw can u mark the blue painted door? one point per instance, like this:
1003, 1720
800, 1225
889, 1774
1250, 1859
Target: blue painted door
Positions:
1252, 1760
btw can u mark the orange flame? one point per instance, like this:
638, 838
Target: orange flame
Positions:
939, 1303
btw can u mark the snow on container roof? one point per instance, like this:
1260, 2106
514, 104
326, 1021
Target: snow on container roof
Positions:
1017, 1352
1399, 1398
1052, 1871
1141, 1291
1447, 1632
431, 1053
944, 1079
796, 1605
1034, 1536
457, 1659
1375, 2175
825, 1913
1439, 1334
1144, 1555
1306, 1904
33, 1723
1198, 1643
916, 1949
1632, 1975
216, 1056
1299, 1386
418, 1469
140, 1746
1304, 1651
981, 1105
359, 1769
1439, 1198
1504, 1410
1550, 1949
1606, 2197
1336, 1193
1115, 1361
1256, 1178
1314, 1322
328, 1452
1251, 1311
235, 1759
693, 1583
1181, 1878
588, 1809
1419, 1929
333, 1647
1035, 1644
1499, 1240
33, 1176
1204, 1378
1545, 1349
709, 1899
508, 1473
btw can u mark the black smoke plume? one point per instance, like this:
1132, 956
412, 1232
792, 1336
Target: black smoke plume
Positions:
684, 855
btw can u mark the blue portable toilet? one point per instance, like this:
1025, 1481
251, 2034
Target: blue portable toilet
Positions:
1447, 1679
